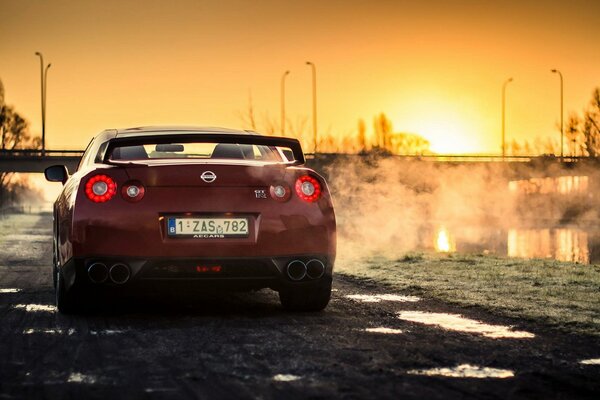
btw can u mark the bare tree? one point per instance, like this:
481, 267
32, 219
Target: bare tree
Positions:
591, 125
247, 116
15, 135
362, 135
383, 130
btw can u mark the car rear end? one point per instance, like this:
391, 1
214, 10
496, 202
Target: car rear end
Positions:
217, 223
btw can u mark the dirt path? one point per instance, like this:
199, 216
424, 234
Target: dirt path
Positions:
378, 344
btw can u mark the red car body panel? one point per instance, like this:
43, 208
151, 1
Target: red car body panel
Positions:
122, 230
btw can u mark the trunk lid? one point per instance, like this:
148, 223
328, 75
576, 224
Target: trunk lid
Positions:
215, 174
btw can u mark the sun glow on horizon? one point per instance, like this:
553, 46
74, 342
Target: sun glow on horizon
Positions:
450, 128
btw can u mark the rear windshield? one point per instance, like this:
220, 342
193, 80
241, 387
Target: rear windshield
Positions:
176, 150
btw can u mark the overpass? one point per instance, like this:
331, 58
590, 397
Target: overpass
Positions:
37, 161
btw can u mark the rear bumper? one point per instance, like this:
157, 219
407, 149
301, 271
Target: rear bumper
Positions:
197, 273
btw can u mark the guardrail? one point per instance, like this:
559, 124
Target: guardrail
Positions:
425, 157
466, 157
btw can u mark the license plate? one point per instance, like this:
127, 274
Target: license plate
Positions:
208, 227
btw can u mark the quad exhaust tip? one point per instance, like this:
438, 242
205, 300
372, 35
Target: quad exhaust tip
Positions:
119, 273
315, 269
296, 270
98, 272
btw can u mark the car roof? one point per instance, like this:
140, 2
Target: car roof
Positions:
162, 130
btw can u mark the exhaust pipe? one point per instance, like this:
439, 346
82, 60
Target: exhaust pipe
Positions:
98, 272
315, 269
119, 273
296, 270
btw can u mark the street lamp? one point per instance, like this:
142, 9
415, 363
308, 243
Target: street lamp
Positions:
561, 112
314, 90
286, 73
504, 116
43, 78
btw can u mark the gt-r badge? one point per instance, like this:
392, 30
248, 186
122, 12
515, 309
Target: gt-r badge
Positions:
208, 176
260, 194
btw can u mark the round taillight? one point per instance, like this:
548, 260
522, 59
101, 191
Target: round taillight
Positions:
100, 188
280, 192
308, 188
133, 191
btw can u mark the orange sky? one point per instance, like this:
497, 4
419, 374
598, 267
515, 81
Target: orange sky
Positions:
434, 67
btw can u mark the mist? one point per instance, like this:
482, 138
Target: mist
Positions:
389, 206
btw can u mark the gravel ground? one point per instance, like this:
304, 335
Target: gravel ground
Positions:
371, 342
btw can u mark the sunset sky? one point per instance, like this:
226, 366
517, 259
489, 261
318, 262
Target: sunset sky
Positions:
436, 68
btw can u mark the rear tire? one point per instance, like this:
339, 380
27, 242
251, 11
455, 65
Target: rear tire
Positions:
65, 299
301, 298
54, 254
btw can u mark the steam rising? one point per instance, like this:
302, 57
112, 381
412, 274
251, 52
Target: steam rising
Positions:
384, 206
389, 206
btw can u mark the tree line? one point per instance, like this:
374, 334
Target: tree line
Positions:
14, 134
582, 135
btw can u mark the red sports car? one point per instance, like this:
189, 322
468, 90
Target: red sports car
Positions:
200, 208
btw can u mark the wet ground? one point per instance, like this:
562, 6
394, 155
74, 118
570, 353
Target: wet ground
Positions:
370, 342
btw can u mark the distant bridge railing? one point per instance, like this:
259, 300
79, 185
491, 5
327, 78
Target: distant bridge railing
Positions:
465, 158
40, 153
33, 160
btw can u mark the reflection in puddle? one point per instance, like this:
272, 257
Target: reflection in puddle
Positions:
77, 377
458, 323
376, 298
564, 244
107, 332
36, 307
384, 330
465, 371
591, 361
50, 331
570, 244
286, 378
444, 241
550, 185
154, 390
9, 290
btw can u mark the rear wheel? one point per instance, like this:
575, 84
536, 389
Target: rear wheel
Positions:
54, 253
301, 298
65, 299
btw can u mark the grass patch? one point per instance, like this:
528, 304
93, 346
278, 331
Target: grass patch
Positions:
559, 294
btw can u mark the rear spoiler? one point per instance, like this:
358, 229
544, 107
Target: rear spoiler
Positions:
233, 138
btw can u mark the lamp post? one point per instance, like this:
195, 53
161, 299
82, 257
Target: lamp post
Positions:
314, 95
509, 80
562, 133
286, 73
43, 78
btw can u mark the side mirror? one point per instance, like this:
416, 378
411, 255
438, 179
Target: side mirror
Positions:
56, 173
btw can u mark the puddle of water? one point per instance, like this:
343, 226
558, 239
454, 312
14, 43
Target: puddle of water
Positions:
444, 241
36, 307
10, 290
591, 361
466, 371
376, 298
563, 244
384, 330
77, 377
458, 323
49, 331
107, 332
286, 378
155, 390
572, 244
